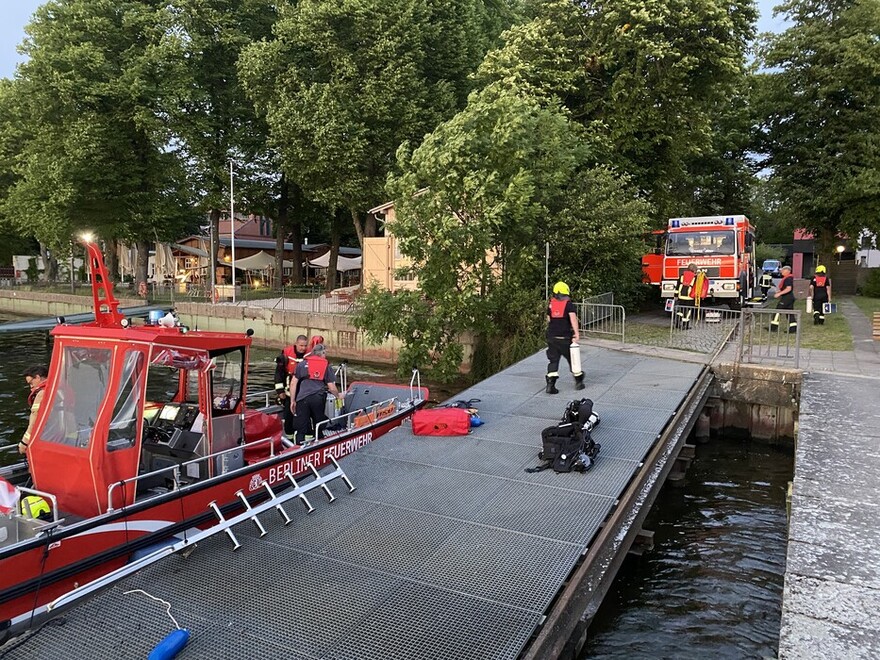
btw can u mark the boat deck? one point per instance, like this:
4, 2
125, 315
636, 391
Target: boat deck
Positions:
447, 549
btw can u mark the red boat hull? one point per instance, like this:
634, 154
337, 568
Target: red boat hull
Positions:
49, 567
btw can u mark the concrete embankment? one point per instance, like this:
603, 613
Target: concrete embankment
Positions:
272, 328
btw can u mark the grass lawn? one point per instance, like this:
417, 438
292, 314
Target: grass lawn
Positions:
867, 305
834, 335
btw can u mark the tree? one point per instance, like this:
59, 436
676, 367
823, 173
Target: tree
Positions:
472, 204
344, 82
92, 146
819, 97
651, 81
214, 122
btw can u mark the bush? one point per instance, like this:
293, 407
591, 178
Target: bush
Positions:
764, 252
871, 287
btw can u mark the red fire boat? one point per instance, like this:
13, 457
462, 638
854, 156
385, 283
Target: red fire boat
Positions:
131, 472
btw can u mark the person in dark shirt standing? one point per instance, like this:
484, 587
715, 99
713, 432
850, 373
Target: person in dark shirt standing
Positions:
562, 330
312, 379
785, 295
820, 292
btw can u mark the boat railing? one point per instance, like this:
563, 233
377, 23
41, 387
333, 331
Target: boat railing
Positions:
341, 373
175, 469
415, 384
347, 421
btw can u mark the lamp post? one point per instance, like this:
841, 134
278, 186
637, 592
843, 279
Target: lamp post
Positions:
840, 250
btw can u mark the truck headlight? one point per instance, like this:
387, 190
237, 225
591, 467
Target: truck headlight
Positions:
668, 286
729, 286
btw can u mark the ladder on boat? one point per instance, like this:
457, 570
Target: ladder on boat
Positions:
223, 524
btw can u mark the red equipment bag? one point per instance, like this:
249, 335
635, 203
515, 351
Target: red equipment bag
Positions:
441, 421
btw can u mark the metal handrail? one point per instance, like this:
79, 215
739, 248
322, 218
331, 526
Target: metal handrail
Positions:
416, 380
347, 416
44, 495
175, 469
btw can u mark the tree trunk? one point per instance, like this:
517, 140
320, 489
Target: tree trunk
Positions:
142, 267
281, 232
335, 241
294, 225
371, 227
50, 264
111, 258
215, 242
358, 226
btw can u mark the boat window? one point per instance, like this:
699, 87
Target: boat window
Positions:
81, 386
226, 381
123, 426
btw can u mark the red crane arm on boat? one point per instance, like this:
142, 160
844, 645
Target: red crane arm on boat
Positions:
106, 306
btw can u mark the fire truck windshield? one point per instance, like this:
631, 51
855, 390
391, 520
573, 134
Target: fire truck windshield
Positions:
689, 243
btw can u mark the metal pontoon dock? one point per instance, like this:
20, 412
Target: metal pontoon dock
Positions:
447, 549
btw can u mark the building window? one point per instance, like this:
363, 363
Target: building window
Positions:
265, 226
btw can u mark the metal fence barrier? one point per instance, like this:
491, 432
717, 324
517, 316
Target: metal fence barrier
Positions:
770, 336
602, 318
701, 329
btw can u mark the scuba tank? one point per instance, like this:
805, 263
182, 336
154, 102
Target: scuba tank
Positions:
574, 352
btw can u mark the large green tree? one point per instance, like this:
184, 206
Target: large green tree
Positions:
474, 203
213, 120
89, 129
819, 97
655, 81
343, 83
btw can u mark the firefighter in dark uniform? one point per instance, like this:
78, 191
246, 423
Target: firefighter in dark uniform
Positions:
820, 292
785, 295
285, 364
693, 286
765, 282
562, 330
312, 378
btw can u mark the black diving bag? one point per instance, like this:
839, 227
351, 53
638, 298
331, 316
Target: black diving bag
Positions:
569, 445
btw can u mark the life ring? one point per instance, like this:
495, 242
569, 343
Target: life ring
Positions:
142, 289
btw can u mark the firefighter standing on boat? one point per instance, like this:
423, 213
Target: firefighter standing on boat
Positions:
285, 365
693, 287
562, 330
785, 295
820, 292
35, 377
311, 380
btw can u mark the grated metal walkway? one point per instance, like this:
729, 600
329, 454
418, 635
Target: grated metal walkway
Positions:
447, 549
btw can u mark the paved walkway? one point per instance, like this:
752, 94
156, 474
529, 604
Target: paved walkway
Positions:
863, 360
832, 580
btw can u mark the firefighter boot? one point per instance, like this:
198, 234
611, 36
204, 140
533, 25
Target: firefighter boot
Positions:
551, 384
815, 318
579, 382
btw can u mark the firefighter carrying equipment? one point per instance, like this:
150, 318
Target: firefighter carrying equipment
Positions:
561, 288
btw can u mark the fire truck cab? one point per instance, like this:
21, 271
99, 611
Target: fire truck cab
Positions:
723, 246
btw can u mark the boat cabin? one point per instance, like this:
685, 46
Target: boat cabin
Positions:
123, 400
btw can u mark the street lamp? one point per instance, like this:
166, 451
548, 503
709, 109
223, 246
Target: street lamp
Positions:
840, 250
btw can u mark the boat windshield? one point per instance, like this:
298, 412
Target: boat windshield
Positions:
689, 243
79, 391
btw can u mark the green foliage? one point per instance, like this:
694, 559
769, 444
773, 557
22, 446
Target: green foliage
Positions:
871, 287
764, 252
658, 85
32, 272
820, 102
475, 204
86, 130
344, 82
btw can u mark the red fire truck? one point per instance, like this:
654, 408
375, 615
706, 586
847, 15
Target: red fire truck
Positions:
722, 245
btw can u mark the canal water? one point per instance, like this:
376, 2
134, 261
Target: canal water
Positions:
712, 585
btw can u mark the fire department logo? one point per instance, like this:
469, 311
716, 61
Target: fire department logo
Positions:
256, 482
